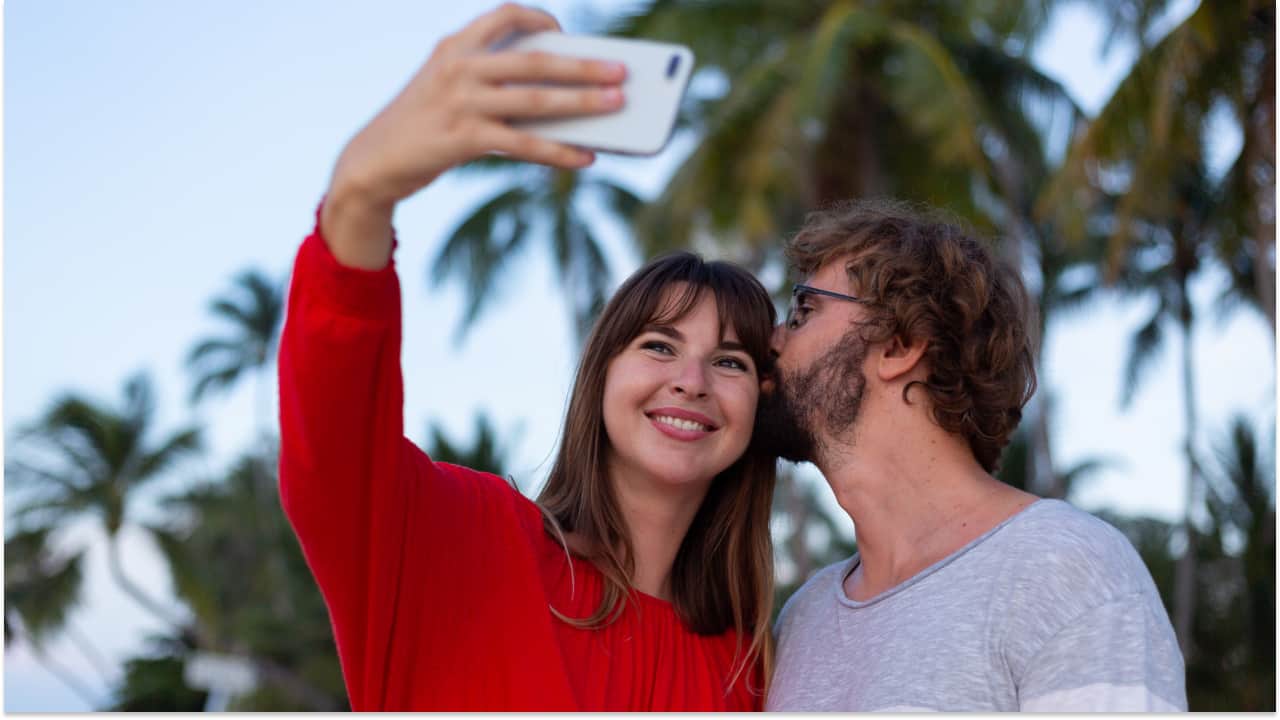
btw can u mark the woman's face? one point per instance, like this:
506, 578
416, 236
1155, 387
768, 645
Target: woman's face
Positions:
679, 401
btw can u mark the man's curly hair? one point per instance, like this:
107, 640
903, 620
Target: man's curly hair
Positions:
926, 277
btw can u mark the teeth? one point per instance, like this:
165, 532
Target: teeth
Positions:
681, 423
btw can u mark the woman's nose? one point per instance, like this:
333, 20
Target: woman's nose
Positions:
691, 379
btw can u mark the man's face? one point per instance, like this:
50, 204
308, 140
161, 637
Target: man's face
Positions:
819, 383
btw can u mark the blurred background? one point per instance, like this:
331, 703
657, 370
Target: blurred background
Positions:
164, 160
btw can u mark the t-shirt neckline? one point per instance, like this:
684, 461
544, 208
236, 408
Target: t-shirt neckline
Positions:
848, 565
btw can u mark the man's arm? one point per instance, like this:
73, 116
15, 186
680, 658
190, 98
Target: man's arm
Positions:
1120, 656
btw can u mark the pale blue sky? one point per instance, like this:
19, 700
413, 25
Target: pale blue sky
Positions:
153, 149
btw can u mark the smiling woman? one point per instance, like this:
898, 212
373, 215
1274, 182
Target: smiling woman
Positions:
642, 577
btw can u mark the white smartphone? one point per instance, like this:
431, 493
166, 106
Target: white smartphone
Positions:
657, 76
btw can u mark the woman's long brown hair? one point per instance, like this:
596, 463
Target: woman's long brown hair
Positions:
722, 577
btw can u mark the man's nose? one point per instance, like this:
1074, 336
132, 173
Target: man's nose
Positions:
778, 339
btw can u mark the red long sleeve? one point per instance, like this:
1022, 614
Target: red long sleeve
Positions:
439, 579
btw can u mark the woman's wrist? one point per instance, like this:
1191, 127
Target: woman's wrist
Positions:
356, 224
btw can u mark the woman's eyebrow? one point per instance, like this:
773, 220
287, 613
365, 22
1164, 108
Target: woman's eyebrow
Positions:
675, 334
667, 330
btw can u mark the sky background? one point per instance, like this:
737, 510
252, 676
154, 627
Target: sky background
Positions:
154, 149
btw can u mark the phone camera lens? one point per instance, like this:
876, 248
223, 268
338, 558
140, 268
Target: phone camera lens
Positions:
672, 66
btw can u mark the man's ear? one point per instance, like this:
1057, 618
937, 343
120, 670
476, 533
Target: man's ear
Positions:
898, 357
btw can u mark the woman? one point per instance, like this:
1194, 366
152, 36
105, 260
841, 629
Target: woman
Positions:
642, 578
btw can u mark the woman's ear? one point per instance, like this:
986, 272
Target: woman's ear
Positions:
898, 357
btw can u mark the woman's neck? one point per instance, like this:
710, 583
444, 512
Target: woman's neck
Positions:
658, 516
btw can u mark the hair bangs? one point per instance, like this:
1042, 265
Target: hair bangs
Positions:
741, 301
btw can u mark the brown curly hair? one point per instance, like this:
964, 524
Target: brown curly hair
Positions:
925, 276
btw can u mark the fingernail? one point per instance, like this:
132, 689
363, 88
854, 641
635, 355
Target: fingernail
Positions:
612, 97
616, 69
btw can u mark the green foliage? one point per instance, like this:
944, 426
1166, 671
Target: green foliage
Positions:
84, 458
154, 684
252, 311
237, 565
922, 101
541, 203
41, 587
484, 453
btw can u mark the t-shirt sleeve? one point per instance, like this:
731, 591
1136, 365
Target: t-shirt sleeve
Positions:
1117, 657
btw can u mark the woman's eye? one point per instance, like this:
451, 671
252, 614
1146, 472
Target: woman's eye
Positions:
657, 346
732, 362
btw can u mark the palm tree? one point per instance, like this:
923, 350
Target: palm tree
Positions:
41, 589
1141, 175
552, 205
236, 564
1241, 501
924, 101
485, 453
1016, 470
252, 310
86, 459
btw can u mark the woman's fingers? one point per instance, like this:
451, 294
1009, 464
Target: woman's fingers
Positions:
537, 101
536, 66
496, 25
531, 148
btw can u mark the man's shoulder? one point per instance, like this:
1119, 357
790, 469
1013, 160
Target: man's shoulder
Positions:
1056, 542
813, 595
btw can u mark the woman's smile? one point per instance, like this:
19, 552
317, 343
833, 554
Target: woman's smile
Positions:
680, 399
681, 424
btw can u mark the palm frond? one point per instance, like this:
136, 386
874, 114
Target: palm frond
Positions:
478, 250
1142, 350
933, 95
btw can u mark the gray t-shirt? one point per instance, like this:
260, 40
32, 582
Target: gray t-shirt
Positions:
1052, 610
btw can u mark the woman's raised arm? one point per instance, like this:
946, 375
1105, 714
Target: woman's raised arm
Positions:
384, 528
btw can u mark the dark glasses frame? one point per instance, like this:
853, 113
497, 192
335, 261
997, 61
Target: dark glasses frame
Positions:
829, 293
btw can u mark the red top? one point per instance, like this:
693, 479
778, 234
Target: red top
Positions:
439, 578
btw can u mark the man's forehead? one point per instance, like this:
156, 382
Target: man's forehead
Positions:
831, 275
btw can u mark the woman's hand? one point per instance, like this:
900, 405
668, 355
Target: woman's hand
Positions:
453, 111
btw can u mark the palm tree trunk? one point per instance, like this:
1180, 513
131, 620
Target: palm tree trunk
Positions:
68, 678
132, 590
295, 687
89, 651
1184, 585
1262, 129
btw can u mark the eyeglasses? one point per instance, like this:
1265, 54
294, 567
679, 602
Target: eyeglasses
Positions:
798, 312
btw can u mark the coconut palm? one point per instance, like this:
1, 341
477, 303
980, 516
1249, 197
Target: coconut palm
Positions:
484, 453
1141, 175
41, 589
1241, 501
923, 101
1221, 58
236, 564
87, 459
252, 311
550, 206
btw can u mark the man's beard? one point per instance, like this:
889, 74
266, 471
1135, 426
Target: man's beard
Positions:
827, 395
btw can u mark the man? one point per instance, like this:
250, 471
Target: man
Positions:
903, 368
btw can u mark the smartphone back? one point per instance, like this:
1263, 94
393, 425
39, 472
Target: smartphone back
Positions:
657, 76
